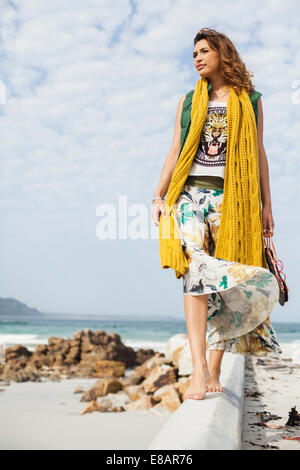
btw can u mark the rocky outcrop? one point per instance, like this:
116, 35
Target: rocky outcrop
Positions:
87, 354
156, 384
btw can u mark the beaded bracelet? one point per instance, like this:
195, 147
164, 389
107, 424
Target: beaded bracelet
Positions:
157, 197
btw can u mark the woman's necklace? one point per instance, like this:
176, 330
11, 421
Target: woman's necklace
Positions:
218, 97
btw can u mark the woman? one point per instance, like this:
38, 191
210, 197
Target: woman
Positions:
216, 178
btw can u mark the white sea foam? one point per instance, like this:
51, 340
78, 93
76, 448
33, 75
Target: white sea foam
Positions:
27, 340
159, 346
31, 340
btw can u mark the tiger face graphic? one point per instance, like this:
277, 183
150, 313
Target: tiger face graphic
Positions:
214, 136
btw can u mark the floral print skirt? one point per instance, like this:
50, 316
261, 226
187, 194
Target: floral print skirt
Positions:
240, 297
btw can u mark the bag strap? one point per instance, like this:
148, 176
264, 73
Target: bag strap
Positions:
277, 263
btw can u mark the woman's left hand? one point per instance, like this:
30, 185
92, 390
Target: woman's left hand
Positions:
267, 221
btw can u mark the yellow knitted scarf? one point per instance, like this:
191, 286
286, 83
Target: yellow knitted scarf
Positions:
240, 236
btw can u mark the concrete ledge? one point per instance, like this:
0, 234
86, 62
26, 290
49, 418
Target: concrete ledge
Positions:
211, 424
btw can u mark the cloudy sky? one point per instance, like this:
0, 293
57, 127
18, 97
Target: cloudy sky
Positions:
89, 91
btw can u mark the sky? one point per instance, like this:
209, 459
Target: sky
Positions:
88, 97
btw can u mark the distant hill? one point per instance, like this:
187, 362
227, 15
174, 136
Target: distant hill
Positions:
11, 306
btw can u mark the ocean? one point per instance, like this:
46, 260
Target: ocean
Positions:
135, 332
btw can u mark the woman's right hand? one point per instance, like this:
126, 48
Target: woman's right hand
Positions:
158, 207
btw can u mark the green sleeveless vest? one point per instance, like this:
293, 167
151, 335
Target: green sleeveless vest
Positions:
187, 107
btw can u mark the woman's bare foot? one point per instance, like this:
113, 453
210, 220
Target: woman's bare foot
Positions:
213, 384
197, 387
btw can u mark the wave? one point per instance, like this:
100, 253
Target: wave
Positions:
33, 340
23, 339
159, 346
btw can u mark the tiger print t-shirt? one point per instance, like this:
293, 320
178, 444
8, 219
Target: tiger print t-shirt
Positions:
210, 157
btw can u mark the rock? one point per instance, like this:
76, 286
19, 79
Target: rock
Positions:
174, 343
118, 408
106, 386
98, 346
134, 379
145, 402
54, 377
113, 401
145, 368
182, 385
142, 371
41, 350
25, 374
176, 355
57, 348
184, 360
109, 368
59, 360
39, 358
17, 353
134, 391
106, 403
160, 409
83, 370
143, 355
52, 354
91, 407
168, 396
73, 356
178, 350
159, 376
89, 395
78, 390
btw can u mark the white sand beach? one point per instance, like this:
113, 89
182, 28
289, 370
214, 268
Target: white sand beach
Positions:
46, 415
276, 382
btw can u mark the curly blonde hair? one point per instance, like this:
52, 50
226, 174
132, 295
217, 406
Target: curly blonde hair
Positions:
232, 68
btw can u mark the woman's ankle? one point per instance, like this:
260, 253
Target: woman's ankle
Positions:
214, 371
200, 366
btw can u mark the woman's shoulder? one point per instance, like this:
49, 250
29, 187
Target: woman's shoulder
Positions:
254, 96
185, 103
187, 99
